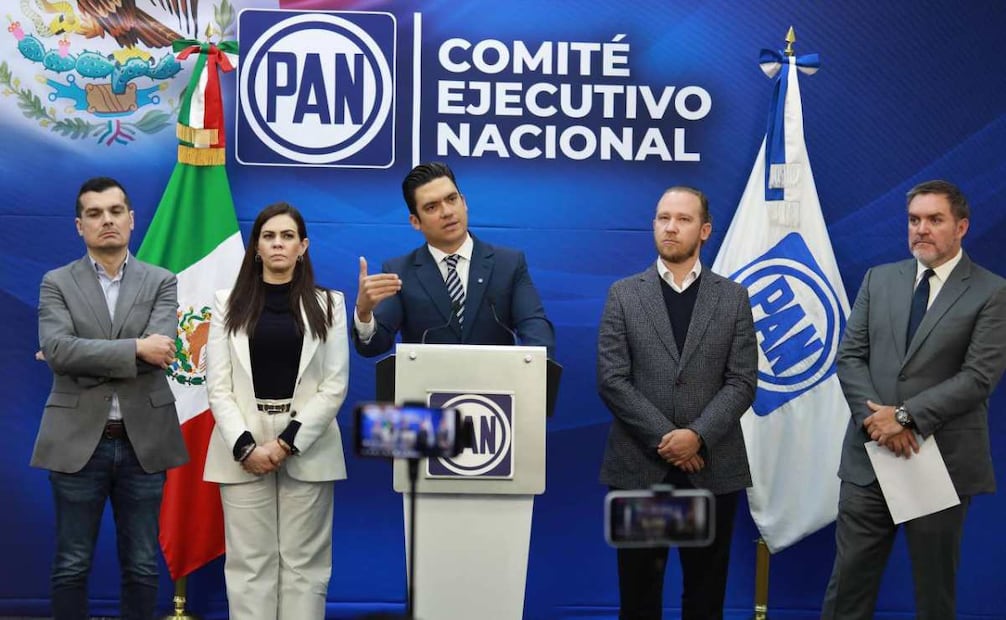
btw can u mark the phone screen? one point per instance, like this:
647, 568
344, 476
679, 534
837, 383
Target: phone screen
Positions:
406, 431
682, 518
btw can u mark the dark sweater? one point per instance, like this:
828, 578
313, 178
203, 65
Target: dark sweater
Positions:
679, 309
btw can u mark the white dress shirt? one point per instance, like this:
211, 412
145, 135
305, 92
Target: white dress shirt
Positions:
668, 277
942, 273
110, 287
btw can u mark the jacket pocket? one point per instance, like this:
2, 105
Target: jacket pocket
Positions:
162, 398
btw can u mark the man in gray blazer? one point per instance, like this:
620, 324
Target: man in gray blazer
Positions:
107, 326
923, 350
677, 366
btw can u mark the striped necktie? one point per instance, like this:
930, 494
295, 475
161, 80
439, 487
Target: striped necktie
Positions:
454, 288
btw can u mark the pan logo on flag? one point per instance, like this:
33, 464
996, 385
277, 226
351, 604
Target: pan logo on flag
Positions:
798, 318
317, 88
490, 451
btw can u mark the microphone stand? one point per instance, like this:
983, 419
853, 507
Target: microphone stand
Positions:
455, 308
410, 590
496, 317
410, 604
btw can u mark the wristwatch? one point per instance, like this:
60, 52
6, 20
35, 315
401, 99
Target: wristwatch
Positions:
902, 417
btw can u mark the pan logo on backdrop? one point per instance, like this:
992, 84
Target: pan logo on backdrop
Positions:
317, 88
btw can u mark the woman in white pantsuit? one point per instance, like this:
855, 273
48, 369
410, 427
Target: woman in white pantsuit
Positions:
277, 372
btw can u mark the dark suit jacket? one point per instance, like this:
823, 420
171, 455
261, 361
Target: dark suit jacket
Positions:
944, 378
93, 357
497, 279
651, 389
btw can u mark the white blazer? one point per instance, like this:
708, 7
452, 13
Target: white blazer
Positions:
322, 380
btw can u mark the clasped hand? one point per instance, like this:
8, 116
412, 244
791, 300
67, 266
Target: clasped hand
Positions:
265, 459
680, 448
886, 431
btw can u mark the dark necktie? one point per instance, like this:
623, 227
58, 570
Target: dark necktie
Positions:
454, 288
920, 300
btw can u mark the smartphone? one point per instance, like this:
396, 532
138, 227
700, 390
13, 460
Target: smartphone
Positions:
408, 431
659, 518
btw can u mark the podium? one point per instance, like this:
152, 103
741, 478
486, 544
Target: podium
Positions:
473, 511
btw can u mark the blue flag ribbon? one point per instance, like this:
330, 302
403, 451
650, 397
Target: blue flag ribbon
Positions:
775, 135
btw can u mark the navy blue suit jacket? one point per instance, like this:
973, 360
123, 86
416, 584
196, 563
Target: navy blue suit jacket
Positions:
497, 279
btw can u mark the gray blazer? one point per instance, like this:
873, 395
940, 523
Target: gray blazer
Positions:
945, 377
92, 357
651, 390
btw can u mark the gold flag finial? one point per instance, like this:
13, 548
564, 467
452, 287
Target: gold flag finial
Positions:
212, 31
790, 40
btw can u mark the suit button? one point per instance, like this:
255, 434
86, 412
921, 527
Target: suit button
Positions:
679, 382
901, 378
293, 414
108, 398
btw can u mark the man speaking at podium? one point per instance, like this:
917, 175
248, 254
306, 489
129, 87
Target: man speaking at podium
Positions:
455, 289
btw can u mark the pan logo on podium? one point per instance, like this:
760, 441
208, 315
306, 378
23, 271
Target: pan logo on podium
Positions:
791, 299
316, 88
490, 454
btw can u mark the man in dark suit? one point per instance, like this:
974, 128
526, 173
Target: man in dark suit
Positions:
922, 351
107, 325
677, 366
455, 289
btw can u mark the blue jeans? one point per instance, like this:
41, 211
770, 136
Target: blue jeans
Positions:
112, 473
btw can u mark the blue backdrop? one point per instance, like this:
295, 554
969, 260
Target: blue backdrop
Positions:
908, 91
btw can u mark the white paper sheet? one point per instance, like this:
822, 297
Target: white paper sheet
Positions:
916, 486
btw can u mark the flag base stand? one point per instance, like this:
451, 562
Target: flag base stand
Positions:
179, 600
761, 581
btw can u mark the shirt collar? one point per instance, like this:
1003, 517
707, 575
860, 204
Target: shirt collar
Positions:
943, 271
666, 275
465, 251
100, 269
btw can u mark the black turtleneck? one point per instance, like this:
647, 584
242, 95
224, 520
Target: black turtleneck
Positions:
275, 346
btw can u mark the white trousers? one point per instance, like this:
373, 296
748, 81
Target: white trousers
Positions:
278, 532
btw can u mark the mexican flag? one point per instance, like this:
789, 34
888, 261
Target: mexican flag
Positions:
195, 234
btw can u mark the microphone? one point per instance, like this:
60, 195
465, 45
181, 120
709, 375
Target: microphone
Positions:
455, 307
492, 306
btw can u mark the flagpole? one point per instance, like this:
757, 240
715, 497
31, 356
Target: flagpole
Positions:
181, 592
763, 555
761, 580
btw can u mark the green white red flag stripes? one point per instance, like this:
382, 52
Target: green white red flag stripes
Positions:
195, 234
